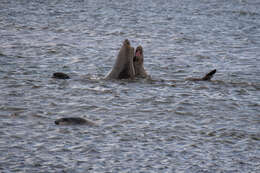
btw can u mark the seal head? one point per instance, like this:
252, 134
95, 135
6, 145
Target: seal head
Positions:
139, 63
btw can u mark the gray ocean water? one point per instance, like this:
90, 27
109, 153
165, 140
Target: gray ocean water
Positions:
169, 124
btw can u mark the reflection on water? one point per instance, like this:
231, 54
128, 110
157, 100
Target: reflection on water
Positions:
167, 124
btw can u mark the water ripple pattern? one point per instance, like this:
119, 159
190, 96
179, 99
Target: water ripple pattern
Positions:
169, 124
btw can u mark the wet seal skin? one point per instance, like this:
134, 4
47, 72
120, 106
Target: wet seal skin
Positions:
139, 63
207, 77
74, 121
60, 75
123, 67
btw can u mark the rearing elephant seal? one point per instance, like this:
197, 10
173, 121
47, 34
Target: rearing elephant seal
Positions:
123, 67
139, 63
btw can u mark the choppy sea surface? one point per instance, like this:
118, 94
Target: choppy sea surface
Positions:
168, 124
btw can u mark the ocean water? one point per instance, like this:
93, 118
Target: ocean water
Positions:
168, 124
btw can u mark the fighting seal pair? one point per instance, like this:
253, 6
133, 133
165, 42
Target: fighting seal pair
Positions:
129, 63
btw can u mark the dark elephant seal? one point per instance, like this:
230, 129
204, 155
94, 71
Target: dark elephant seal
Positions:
74, 121
207, 77
139, 63
123, 67
60, 75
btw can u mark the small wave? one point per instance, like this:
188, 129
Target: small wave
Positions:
2, 54
234, 134
14, 109
241, 84
235, 12
245, 13
201, 57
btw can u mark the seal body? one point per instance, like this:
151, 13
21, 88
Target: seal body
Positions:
123, 67
74, 121
60, 75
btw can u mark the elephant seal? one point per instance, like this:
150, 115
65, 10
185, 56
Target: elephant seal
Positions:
74, 121
139, 63
207, 77
60, 75
123, 67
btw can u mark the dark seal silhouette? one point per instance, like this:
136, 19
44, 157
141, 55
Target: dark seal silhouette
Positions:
74, 121
60, 75
207, 77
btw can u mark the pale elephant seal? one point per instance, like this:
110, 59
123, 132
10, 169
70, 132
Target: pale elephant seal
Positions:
60, 75
74, 121
139, 63
123, 67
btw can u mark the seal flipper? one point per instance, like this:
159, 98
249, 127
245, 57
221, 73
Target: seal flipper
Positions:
208, 76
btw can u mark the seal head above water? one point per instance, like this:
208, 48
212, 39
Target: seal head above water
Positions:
139, 63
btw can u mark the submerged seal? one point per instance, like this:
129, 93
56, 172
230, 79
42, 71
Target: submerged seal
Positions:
123, 67
139, 63
74, 121
60, 75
